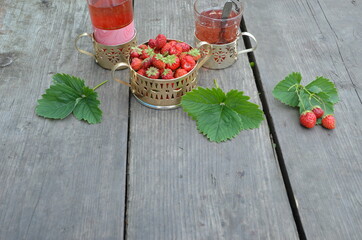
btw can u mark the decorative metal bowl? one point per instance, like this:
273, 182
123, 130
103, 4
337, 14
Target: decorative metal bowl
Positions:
162, 93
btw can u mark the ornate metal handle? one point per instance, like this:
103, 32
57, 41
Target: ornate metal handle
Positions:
207, 56
249, 49
114, 68
83, 51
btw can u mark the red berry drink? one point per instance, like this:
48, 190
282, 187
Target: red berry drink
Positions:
211, 28
112, 20
110, 15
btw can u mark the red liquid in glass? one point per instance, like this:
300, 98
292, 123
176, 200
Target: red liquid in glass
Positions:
210, 28
113, 17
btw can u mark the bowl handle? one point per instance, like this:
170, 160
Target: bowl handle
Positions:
80, 50
114, 68
205, 57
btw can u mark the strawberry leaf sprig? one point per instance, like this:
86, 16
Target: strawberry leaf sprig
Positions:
320, 93
221, 116
69, 94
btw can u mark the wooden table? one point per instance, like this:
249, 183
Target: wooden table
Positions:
149, 174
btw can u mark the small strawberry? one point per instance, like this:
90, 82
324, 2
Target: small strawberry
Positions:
142, 72
188, 63
167, 74
146, 53
182, 55
185, 46
153, 73
143, 46
318, 111
172, 42
161, 40
180, 72
136, 64
135, 52
329, 121
195, 53
166, 49
152, 43
308, 119
158, 61
176, 49
147, 62
172, 62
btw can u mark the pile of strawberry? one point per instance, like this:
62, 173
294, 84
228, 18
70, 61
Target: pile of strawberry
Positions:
163, 59
308, 118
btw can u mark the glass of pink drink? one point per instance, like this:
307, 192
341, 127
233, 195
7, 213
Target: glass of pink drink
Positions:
112, 21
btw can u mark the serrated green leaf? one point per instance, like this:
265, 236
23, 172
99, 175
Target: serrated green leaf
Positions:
315, 89
326, 86
221, 116
250, 114
200, 99
71, 81
219, 123
285, 90
308, 101
87, 107
57, 102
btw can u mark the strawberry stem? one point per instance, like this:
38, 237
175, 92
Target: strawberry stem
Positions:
100, 85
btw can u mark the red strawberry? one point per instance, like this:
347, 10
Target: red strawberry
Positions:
166, 49
188, 63
153, 73
161, 40
167, 74
135, 52
185, 46
329, 121
147, 63
158, 61
136, 64
180, 72
318, 111
172, 62
143, 46
195, 53
308, 119
146, 53
152, 43
172, 42
182, 55
176, 49
142, 72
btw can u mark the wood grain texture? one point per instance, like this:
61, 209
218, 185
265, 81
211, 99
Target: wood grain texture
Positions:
316, 38
181, 186
58, 179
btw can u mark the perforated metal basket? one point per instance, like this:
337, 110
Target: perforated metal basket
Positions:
162, 93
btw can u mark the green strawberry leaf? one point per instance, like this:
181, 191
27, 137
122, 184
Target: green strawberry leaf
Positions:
308, 101
69, 94
57, 102
87, 107
326, 86
286, 90
76, 83
221, 116
250, 114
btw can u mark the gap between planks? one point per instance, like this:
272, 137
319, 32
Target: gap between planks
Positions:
274, 137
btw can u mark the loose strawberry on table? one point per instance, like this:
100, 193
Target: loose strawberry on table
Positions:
329, 121
318, 111
308, 119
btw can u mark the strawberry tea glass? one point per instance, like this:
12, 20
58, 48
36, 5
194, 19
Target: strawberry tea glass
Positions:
218, 23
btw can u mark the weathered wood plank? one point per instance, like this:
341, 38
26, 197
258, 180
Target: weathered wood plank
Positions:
317, 38
58, 179
183, 187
